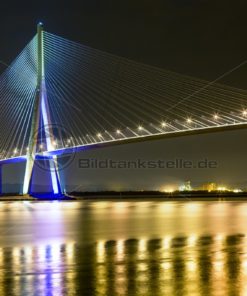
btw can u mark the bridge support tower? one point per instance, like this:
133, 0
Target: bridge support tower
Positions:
41, 121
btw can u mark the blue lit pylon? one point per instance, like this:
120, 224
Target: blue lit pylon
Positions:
41, 114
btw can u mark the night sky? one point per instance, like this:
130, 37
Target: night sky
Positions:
198, 37
201, 38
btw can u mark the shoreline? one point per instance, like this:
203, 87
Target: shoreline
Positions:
129, 197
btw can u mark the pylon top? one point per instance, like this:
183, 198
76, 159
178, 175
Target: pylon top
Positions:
40, 29
40, 25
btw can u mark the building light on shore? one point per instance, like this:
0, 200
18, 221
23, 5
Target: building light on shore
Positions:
209, 187
185, 187
168, 189
237, 190
222, 188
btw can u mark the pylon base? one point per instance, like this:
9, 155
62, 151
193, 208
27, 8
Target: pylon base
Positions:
51, 196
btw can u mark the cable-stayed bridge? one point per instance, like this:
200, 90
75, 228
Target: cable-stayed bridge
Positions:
59, 97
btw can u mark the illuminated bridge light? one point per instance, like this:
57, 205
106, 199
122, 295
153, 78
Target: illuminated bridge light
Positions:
118, 131
189, 120
163, 124
99, 135
216, 116
244, 113
140, 128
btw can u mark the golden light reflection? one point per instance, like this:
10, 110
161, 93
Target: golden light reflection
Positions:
70, 252
191, 240
16, 256
101, 204
166, 242
101, 283
1, 269
244, 266
101, 251
1, 256
120, 207
219, 238
166, 265
142, 249
159, 266
192, 207
191, 266
166, 207
120, 280
142, 266
70, 278
218, 265
142, 245
120, 250
192, 284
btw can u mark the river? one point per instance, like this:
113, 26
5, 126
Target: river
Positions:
123, 248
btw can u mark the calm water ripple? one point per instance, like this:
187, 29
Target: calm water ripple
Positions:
123, 248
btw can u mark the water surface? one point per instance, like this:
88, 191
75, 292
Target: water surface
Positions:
123, 248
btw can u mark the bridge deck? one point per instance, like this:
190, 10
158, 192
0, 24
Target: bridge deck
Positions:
158, 136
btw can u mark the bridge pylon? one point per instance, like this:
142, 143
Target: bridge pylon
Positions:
41, 120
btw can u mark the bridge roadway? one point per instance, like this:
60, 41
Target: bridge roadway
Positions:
134, 139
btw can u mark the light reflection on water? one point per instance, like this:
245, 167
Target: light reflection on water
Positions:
128, 267
123, 248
